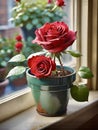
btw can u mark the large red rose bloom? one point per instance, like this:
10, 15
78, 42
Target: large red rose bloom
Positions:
55, 37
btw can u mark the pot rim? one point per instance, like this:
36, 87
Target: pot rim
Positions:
56, 77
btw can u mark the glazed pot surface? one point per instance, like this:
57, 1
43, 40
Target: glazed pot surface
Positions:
51, 94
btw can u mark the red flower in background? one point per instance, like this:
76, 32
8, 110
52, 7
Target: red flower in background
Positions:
18, 46
60, 2
19, 38
50, 1
17, 0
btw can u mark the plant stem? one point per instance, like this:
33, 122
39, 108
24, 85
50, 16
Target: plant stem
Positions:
62, 68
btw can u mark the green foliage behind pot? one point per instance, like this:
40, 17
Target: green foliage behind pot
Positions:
30, 13
6, 50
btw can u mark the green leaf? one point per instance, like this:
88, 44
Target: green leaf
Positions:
18, 58
35, 21
18, 70
85, 72
80, 93
46, 19
74, 53
29, 26
3, 63
25, 17
30, 10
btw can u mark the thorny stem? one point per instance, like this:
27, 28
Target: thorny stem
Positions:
62, 68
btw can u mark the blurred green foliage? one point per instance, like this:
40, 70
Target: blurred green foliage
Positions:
6, 50
35, 13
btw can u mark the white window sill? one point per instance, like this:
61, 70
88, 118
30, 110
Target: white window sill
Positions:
31, 120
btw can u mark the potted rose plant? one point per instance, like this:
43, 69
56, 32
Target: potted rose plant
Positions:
51, 83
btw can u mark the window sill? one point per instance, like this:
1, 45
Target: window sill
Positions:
15, 102
13, 95
31, 120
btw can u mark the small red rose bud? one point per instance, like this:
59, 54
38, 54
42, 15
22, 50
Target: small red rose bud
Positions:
60, 2
19, 38
17, 0
49, 1
18, 46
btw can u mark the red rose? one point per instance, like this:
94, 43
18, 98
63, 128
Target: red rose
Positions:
41, 66
18, 46
19, 38
60, 2
49, 1
54, 37
17, 0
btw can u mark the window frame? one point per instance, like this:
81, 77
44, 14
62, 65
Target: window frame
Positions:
77, 20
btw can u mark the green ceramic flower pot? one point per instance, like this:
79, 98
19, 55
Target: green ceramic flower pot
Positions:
51, 94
